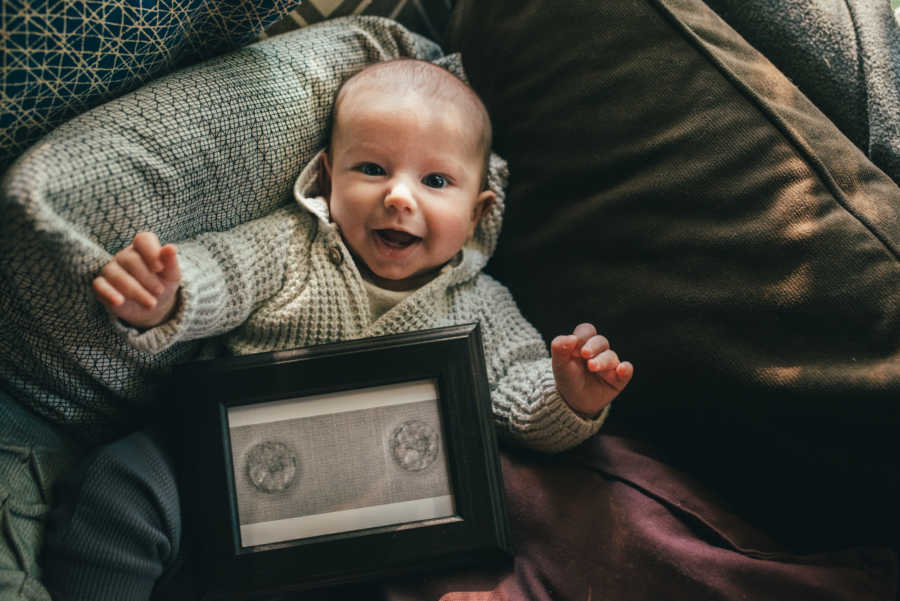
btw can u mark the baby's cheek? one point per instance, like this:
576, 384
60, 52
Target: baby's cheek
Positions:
453, 239
345, 216
464, 223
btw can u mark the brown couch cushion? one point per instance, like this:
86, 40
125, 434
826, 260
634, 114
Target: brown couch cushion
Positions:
671, 186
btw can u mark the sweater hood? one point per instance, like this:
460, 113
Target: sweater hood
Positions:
475, 252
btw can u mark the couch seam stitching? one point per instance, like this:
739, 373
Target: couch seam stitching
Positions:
815, 164
861, 72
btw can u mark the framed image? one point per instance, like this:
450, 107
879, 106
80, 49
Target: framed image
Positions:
339, 463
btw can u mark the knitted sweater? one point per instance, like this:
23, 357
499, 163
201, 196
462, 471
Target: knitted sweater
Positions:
287, 280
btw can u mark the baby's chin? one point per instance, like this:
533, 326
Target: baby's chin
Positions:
390, 280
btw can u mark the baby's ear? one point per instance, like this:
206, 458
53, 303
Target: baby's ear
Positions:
484, 202
325, 176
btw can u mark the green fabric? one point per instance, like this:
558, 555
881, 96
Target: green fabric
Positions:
32, 456
115, 527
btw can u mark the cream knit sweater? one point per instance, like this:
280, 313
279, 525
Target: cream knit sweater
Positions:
287, 280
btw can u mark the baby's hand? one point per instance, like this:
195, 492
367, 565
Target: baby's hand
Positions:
139, 285
588, 373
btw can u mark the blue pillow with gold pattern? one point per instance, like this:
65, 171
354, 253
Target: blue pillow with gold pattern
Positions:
61, 58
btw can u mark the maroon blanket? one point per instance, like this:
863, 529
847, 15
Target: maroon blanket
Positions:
608, 521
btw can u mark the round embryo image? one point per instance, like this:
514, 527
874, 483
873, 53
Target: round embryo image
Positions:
414, 445
271, 466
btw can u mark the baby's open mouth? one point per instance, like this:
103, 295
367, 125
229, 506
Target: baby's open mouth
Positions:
396, 238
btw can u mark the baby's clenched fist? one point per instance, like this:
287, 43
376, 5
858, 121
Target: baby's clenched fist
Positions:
139, 285
587, 371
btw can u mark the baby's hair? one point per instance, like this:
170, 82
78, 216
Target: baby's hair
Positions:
428, 79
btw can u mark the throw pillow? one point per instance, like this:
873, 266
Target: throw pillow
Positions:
62, 58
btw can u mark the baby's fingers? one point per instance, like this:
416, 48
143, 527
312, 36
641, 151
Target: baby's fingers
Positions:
171, 271
148, 247
604, 361
562, 346
618, 377
594, 346
106, 293
124, 284
624, 372
134, 263
584, 332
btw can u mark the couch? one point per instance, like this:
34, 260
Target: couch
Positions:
668, 183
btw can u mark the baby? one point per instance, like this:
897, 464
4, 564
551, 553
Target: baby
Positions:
385, 238
391, 229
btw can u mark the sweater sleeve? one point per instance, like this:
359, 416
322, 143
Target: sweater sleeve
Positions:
225, 277
526, 403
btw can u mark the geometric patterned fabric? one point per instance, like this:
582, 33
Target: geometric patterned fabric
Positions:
201, 149
60, 58
430, 18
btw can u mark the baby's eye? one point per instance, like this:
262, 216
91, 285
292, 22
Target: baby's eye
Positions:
434, 180
371, 169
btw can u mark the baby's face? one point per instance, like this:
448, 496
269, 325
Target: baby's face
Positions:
405, 183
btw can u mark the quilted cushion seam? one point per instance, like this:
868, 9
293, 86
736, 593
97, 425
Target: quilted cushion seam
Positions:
813, 161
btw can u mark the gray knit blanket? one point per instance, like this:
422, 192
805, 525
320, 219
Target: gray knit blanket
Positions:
203, 149
843, 54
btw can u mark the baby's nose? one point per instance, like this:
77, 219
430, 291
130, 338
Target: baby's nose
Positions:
400, 197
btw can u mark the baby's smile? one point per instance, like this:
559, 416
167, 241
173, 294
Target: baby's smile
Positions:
396, 238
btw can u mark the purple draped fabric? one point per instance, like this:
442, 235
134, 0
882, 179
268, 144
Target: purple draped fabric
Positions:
609, 521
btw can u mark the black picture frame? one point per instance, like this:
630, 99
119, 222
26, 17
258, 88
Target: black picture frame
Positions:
235, 557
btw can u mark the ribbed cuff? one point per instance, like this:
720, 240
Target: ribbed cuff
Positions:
570, 428
554, 426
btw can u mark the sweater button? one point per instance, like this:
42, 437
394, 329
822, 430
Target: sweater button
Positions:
334, 253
